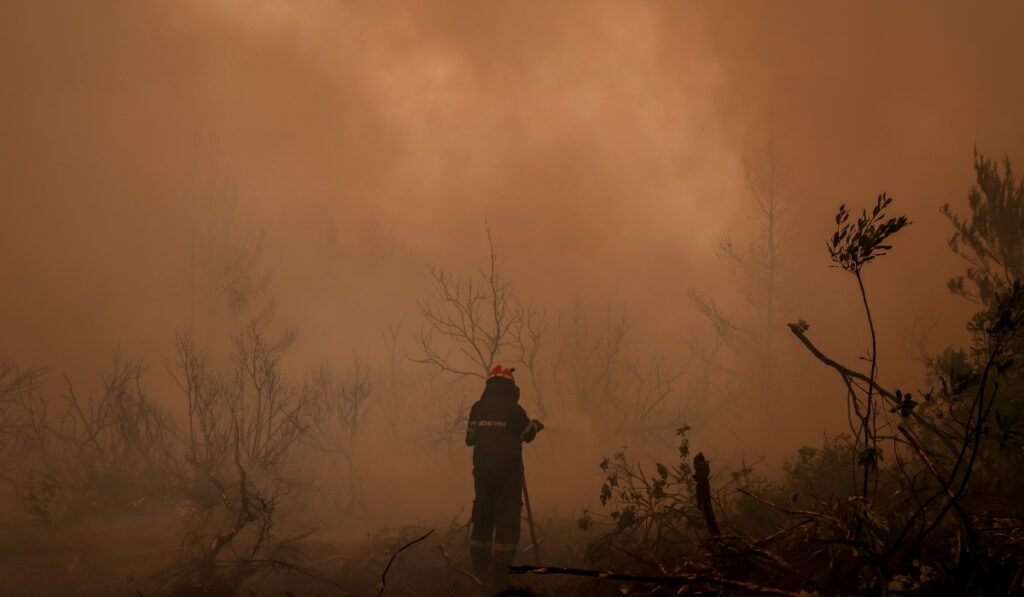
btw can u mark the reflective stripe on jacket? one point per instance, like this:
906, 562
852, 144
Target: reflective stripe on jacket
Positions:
496, 425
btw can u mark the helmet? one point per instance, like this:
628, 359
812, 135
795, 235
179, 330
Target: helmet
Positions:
499, 371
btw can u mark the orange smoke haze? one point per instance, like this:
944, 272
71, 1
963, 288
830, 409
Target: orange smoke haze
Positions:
603, 143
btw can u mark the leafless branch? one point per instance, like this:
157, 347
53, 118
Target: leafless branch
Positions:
383, 576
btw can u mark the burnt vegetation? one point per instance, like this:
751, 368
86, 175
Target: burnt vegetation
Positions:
918, 497
225, 478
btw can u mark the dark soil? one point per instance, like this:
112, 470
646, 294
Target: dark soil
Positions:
131, 554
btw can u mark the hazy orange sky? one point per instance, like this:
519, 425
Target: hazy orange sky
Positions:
604, 142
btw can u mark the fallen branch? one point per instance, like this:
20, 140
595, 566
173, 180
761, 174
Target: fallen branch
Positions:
272, 562
342, 558
679, 579
453, 566
383, 576
927, 461
810, 513
968, 526
847, 374
729, 550
529, 547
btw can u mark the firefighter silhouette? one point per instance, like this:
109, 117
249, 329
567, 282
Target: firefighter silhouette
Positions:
497, 428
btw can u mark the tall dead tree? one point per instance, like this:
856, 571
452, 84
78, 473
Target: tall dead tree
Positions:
759, 264
475, 322
632, 393
591, 362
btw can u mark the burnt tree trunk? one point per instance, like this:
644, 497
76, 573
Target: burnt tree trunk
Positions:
702, 474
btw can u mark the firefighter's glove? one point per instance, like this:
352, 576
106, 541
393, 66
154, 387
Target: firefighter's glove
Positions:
531, 430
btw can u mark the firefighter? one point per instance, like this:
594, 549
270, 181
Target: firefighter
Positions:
497, 428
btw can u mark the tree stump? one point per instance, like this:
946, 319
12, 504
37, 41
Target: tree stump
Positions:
702, 474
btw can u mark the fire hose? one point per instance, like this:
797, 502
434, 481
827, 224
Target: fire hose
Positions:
536, 426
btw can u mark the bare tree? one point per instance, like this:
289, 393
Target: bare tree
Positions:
592, 358
227, 539
81, 451
759, 262
395, 378
652, 404
340, 407
633, 394
203, 390
474, 322
16, 387
243, 428
270, 412
728, 333
528, 340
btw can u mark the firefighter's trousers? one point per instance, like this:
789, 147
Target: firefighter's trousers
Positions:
496, 513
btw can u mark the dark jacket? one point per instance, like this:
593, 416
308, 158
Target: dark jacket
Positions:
496, 426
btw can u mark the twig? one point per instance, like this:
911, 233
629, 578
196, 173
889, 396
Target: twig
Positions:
968, 526
453, 566
336, 558
810, 513
752, 549
675, 579
300, 536
383, 576
927, 461
779, 533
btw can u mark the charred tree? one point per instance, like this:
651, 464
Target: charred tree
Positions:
702, 475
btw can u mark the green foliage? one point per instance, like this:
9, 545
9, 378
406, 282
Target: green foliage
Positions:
918, 578
990, 369
990, 239
820, 475
905, 404
869, 457
652, 515
991, 242
940, 513
854, 245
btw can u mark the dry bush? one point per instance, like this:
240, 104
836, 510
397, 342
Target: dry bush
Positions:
339, 408
78, 453
243, 427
